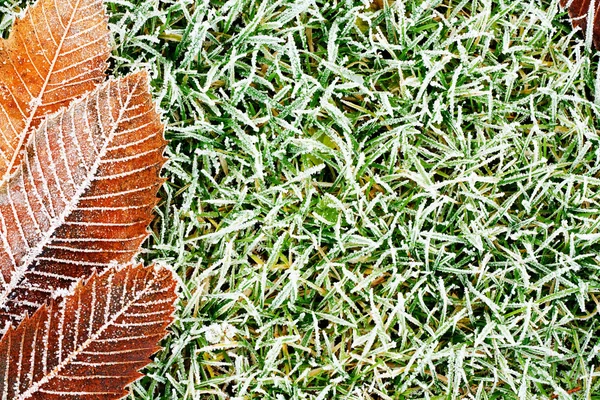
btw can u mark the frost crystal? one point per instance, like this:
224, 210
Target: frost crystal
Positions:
219, 333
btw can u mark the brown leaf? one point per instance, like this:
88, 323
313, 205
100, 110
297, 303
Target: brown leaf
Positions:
579, 11
92, 344
55, 53
82, 197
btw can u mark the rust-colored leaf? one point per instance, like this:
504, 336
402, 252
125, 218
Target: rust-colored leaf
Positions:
580, 12
83, 195
92, 344
79, 172
58, 51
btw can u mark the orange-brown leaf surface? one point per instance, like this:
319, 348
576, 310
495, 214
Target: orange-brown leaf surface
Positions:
82, 197
580, 11
56, 52
92, 344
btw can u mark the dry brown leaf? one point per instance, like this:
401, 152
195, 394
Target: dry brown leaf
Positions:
91, 345
580, 11
58, 51
78, 182
83, 195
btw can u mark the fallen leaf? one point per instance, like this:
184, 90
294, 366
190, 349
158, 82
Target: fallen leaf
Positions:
79, 173
82, 197
91, 344
55, 53
580, 11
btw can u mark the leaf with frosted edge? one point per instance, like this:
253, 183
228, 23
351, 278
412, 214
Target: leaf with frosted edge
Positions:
93, 343
580, 12
55, 53
83, 195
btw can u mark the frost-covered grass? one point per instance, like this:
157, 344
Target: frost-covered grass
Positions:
373, 201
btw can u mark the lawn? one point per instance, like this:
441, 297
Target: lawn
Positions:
371, 199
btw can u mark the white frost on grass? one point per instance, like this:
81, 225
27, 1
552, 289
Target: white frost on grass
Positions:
383, 202
217, 333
